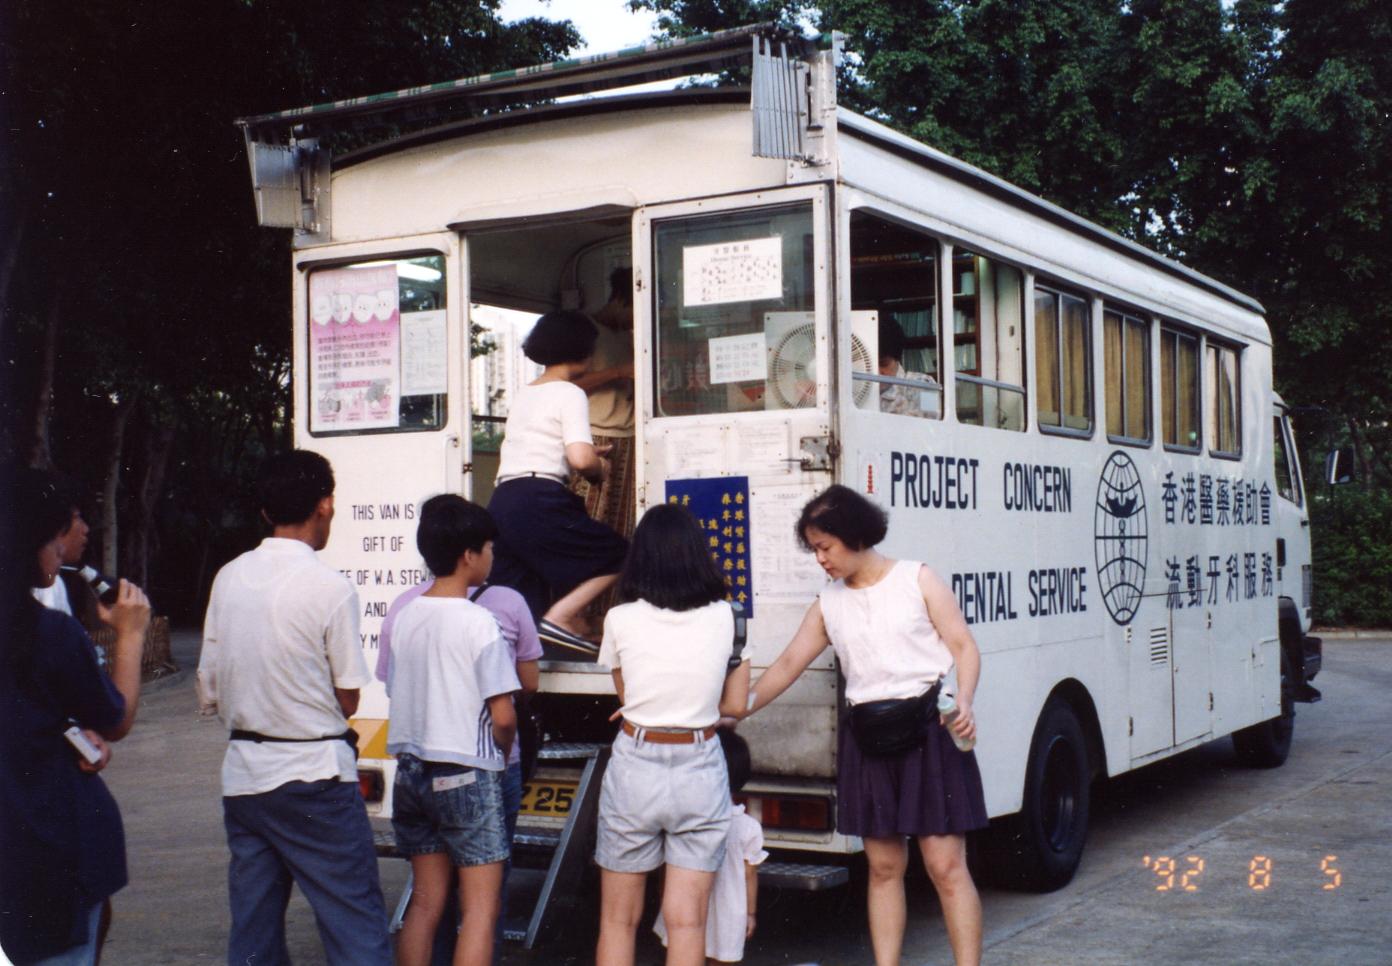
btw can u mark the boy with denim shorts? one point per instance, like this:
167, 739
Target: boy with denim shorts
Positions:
452, 723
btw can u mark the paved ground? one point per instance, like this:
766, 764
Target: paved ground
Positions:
1333, 798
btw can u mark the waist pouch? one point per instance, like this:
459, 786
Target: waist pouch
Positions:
349, 736
884, 729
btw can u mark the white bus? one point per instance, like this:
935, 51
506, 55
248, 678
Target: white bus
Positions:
1085, 444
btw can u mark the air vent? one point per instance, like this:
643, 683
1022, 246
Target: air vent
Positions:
1307, 582
1159, 646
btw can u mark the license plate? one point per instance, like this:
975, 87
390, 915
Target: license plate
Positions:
552, 798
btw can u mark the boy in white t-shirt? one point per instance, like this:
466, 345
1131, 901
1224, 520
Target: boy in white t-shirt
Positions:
735, 896
451, 681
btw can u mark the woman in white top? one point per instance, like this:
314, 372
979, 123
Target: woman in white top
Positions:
548, 549
897, 630
665, 797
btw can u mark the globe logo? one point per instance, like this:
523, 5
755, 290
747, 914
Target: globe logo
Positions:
1119, 537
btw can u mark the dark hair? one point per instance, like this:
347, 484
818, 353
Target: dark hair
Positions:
291, 485
891, 338
669, 562
737, 760
846, 515
449, 525
621, 285
561, 336
44, 502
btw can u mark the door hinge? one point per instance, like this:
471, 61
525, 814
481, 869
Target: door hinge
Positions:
1210, 700
1131, 727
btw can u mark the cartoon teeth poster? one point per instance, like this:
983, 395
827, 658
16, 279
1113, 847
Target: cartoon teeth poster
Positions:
355, 349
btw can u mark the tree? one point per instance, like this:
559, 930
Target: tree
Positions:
140, 253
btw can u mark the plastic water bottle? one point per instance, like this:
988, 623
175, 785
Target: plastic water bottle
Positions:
947, 707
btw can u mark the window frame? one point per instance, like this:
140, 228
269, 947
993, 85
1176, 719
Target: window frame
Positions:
1059, 292
1213, 352
950, 251
874, 378
307, 271
1182, 332
1149, 322
1283, 438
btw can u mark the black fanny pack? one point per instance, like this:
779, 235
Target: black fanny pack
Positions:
883, 729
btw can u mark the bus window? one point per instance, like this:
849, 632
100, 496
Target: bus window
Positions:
734, 308
988, 344
1126, 345
1287, 482
378, 348
1179, 389
1062, 394
1224, 413
894, 273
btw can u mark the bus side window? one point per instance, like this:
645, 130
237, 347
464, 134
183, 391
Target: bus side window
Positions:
1126, 348
894, 272
1063, 389
1179, 389
988, 341
1224, 411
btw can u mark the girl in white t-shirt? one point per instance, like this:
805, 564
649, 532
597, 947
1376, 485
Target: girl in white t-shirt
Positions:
665, 798
548, 548
734, 899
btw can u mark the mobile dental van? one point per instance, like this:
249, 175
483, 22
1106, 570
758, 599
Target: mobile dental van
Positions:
1081, 436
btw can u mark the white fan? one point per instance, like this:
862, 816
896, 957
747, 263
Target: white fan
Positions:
791, 341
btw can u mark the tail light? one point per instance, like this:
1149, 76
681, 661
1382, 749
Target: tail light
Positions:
800, 813
371, 784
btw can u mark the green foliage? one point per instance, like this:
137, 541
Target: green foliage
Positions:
141, 243
1352, 536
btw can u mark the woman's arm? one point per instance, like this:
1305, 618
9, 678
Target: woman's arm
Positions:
529, 675
587, 459
952, 627
809, 641
734, 698
130, 616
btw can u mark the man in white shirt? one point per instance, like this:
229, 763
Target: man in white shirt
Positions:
282, 664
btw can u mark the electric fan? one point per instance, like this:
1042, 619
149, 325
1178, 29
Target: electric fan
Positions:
792, 359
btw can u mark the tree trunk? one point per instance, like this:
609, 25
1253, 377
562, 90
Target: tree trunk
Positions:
111, 484
142, 538
41, 452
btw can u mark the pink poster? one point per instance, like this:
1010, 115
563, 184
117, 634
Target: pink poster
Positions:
354, 349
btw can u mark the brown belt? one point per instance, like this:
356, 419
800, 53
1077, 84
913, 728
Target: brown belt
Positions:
687, 737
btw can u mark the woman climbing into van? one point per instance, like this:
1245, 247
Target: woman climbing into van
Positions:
548, 549
897, 631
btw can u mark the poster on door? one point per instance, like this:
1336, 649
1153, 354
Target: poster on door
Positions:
354, 349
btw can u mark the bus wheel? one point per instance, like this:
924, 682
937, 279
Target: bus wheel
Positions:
1040, 848
1268, 743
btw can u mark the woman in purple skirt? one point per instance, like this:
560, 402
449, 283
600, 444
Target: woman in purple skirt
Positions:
897, 631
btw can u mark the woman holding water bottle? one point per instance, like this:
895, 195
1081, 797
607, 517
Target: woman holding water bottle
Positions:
905, 764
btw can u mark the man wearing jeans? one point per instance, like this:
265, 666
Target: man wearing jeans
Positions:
282, 664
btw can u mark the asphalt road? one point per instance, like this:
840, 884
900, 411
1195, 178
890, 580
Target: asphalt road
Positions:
1333, 798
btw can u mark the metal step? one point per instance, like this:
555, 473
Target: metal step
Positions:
806, 878
537, 836
570, 750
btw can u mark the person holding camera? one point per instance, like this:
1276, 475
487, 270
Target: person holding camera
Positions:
60, 832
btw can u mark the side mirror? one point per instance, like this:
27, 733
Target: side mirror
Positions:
1338, 466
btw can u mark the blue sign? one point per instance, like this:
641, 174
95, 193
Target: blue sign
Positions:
721, 505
